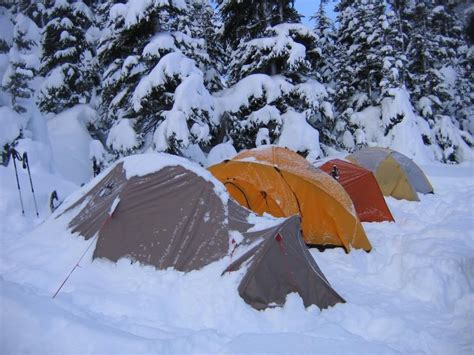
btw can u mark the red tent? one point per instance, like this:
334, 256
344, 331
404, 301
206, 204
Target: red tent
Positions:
363, 189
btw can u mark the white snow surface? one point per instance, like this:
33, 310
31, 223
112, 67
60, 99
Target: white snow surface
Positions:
412, 294
122, 137
12, 125
70, 142
295, 125
221, 152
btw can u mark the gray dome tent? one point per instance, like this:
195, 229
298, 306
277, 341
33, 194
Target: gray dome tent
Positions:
162, 210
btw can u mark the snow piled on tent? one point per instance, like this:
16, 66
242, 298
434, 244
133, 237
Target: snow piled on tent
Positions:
412, 294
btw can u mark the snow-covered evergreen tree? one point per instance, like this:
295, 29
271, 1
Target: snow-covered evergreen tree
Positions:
67, 57
249, 19
325, 32
203, 24
153, 92
438, 77
32, 9
271, 72
23, 63
373, 103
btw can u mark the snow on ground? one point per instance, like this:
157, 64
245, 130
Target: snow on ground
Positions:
412, 294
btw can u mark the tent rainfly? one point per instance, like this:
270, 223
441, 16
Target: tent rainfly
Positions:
279, 182
363, 189
397, 175
164, 211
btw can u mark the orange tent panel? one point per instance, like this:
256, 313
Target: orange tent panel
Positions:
325, 221
291, 161
363, 189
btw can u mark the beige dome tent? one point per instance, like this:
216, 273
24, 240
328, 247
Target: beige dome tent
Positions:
163, 211
397, 175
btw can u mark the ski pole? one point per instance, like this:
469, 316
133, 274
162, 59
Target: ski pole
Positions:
15, 156
26, 165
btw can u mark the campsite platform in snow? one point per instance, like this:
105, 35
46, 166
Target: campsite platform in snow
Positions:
413, 294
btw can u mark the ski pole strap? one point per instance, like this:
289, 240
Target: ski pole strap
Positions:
15, 154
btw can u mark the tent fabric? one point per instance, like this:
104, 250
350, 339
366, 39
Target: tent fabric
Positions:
174, 217
284, 158
362, 187
325, 221
397, 175
173, 207
282, 255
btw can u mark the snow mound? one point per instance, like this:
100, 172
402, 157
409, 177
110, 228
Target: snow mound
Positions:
12, 126
122, 136
221, 152
70, 142
295, 125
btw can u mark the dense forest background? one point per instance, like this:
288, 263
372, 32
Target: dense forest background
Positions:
189, 76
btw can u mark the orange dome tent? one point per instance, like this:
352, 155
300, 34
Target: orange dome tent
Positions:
286, 184
363, 189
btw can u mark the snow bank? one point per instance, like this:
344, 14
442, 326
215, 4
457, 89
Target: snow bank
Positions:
44, 182
298, 135
70, 142
221, 152
12, 126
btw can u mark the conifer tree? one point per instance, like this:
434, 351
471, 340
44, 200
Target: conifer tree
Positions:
23, 63
438, 78
67, 58
151, 86
271, 72
326, 42
203, 25
371, 75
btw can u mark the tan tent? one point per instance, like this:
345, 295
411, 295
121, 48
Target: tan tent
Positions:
397, 175
274, 181
179, 216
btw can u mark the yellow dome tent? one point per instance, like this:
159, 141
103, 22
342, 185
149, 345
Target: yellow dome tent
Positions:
397, 175
280, 182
